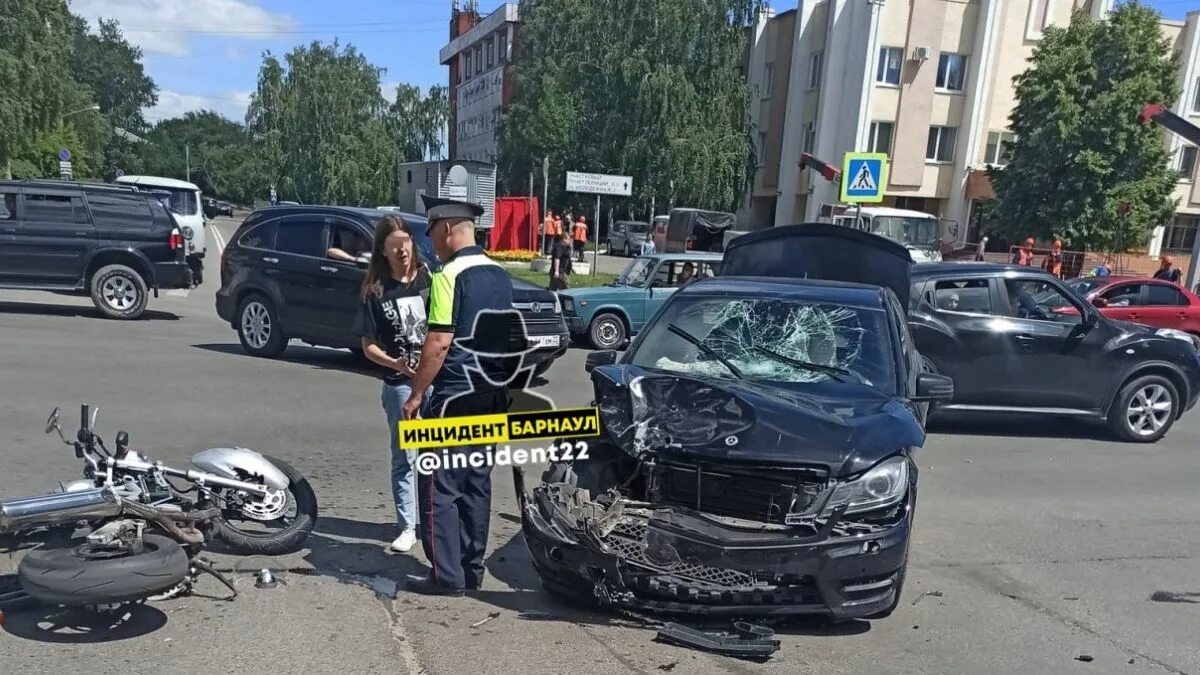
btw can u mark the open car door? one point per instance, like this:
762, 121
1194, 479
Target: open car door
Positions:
820, 251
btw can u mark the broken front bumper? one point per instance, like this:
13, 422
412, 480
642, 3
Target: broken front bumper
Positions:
673, 560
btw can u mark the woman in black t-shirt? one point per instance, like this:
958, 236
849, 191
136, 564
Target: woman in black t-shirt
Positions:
391, 323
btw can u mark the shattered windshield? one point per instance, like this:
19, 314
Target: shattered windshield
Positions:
638, 272
782, 342
907, 230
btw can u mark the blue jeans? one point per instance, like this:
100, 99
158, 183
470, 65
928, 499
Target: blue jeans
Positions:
404, 478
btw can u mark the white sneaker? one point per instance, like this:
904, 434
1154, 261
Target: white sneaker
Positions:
404, 542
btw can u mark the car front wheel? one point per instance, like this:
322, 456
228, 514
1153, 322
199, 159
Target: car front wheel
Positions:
607, 331
1144, 410
258, 327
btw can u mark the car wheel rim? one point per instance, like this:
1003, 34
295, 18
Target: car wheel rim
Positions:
119, 293
607, 333
1149, 410
256, 325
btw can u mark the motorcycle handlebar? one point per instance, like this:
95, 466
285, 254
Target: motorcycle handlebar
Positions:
84, 417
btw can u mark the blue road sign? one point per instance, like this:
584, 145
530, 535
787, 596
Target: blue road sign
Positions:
120, 173
64, 155
864, 176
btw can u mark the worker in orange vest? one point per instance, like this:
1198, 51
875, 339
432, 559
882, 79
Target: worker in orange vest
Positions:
546, 228
579, 234
553, 229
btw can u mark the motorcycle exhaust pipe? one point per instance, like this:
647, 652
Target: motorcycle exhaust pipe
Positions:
24, 513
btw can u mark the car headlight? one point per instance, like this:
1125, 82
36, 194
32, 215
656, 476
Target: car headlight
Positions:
1178, 335
565, 304
880, 487
188, 233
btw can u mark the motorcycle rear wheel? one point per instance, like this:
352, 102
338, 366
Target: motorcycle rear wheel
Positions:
291, 537
66, 576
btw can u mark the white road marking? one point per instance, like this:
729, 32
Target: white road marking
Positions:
218, 239
178, 292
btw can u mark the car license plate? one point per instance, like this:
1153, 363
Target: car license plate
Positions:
544, 340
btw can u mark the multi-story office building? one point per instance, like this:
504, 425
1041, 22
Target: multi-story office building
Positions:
930, 83
478, 58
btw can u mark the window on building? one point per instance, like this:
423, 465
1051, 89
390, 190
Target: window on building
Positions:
1181, 233
952, 72
880, 137
940, 147
491, 52
761, 150
888, 69
810, 137
479, 59
913, 204
815, 62
1187, 162
503, 43
467, 65
999, 148
768, 80
1196, 97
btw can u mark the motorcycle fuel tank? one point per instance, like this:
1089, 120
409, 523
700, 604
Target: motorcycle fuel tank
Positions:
240, 464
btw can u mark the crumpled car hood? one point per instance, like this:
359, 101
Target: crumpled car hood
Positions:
846, 428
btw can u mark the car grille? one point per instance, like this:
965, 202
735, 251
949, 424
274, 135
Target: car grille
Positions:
762, 494
540, 323
693, 582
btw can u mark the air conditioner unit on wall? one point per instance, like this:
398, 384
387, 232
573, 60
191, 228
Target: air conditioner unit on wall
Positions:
920, 54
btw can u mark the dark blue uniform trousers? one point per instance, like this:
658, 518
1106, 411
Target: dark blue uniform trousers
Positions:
456, 504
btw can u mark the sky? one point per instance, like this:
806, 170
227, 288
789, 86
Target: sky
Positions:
205, 54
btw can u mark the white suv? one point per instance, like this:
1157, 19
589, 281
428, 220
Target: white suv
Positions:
183, 199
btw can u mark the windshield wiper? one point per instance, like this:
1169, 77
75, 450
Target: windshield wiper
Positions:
836, 373
706, 349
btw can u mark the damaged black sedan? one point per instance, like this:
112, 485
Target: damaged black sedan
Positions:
756, 456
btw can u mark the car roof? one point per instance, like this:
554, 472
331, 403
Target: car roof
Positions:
51, 184
158, 181
816, 290
945, 269
697, 256
362, 212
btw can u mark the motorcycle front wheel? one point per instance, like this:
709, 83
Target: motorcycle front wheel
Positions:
82, 575
249, 533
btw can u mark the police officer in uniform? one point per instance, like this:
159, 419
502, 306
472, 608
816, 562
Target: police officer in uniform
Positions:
455, 504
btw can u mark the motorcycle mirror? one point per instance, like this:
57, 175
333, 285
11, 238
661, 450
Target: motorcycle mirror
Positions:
52, 420
122, 444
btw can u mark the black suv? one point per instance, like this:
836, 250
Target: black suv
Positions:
1015, 339
277, 282
110, 241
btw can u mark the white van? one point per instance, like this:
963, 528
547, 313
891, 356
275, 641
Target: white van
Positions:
184, 203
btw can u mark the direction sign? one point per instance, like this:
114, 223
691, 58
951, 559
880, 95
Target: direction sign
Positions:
864, 176
64, 155
599, 184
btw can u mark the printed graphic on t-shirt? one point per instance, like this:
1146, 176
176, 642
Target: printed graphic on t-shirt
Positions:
407, 317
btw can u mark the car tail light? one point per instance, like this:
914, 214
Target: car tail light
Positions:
176, 240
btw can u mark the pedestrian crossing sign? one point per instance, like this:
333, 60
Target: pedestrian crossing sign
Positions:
864, 175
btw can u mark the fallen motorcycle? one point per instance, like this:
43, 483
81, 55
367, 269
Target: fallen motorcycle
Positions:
145, 531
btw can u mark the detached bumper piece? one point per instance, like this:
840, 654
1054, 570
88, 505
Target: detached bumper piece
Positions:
747, 641
671, 560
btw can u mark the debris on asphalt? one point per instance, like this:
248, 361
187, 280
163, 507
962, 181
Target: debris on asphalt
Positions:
486, 619
536, 615
668, 666
1168, 596
1131, 662
915, 627
1070, 597
933, 594
265, 579
747, 641
1084, 657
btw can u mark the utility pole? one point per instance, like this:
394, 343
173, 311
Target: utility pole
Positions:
532, 215
187, 153
545, 197
596, 237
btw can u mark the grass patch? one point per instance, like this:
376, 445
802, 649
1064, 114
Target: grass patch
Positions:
542, 279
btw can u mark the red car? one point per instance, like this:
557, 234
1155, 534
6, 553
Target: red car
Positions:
1150, 302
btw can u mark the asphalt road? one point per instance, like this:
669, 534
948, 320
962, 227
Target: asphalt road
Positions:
1036, 542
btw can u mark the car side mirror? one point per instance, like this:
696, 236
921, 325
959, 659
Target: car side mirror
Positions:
363, 261
1099, 302
594, 360
934, 387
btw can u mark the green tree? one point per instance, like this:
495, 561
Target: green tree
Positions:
34, 79
323, 132
650, 90
1082, 169
111, 69
222, 161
